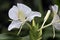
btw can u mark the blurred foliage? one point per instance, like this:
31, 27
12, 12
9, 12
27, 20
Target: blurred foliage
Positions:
36, 5
57, 2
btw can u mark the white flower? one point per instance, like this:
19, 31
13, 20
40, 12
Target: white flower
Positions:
20, 14
55, 9
56, 18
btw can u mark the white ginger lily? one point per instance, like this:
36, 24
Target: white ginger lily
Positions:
56, 18
20, 14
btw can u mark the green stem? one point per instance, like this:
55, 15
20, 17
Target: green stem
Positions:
40, 30
19, 30
42, 25
29, 25
47, 25
21, 27
53, 32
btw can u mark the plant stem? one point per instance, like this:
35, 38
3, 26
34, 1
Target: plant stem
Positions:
42, 25
41, 30
47, 25
19, 30
29, 25
53, 32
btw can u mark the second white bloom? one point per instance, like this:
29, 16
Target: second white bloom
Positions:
56, 18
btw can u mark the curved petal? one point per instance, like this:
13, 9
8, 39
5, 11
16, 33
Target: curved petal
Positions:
25, 9
14, 24
13, 13
55, 9
32, 15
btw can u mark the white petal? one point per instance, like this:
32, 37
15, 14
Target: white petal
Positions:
57, 26
55, 9
25, 9
56, 18
13, 13
32, 15
14, 24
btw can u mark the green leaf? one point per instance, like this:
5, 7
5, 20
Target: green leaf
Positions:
25, 38
8, 37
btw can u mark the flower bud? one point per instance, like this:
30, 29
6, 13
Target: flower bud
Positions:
47, 15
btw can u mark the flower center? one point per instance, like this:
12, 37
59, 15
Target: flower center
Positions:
21, 16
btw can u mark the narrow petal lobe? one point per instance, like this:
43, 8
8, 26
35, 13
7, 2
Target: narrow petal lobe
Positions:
32, 15
14, 24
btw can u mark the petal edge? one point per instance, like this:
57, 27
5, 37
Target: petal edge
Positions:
14, 24
33, 14
13, 13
